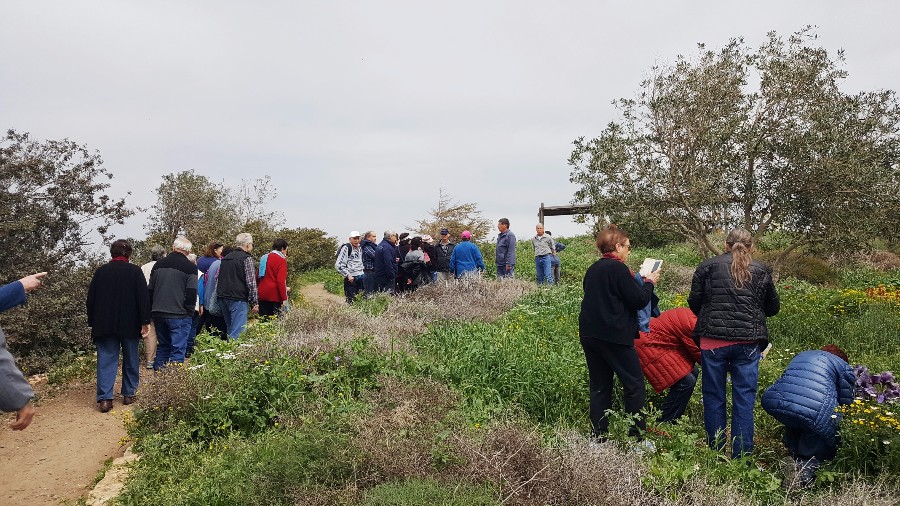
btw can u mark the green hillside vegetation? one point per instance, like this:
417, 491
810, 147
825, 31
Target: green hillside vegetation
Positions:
477, 394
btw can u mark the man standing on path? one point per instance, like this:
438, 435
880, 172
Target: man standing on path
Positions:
544, 249
173, 296
387, 257
506, 250
441, 260
156, 254
368, 253
466, 258
15, 391
349, 263
236, 290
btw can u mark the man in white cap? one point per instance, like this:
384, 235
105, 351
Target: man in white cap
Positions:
349, 263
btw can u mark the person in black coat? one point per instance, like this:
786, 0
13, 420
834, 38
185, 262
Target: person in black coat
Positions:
608, 326
118, 308
732, 295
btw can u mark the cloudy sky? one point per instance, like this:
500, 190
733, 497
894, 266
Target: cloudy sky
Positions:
361, 110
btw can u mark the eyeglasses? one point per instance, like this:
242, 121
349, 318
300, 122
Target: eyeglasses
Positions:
626, 246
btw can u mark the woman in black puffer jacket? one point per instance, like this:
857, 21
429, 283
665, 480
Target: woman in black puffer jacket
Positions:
732, 295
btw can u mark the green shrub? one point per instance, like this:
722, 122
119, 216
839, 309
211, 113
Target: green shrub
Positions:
808, 268
418, 492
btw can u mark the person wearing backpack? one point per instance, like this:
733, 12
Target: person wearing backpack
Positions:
273, 281
210, 312
349, 263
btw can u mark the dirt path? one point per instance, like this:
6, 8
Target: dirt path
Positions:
58, 456
317, 295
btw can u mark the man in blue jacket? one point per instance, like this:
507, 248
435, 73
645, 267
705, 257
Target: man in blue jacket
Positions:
387, 257
466, 257
804, 399
506, 250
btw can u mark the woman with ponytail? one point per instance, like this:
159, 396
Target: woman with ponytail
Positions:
732, 295
608, 326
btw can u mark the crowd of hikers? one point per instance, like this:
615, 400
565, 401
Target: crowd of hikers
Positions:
622, 331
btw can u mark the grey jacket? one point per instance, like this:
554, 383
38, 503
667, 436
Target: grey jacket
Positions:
173, 287
15, 391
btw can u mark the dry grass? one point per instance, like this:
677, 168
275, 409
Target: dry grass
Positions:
327, 328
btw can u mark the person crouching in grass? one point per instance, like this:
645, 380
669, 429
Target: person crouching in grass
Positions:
804, 399
668, 357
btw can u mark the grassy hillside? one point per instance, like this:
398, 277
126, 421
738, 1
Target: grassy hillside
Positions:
477, 394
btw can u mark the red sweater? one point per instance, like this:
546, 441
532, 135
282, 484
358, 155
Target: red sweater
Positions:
273, 286
668, 352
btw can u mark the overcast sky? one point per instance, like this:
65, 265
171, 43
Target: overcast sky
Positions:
360, 111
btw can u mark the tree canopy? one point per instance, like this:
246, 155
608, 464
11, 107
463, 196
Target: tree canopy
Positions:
453, 216
53, 206
763, 139
205, 210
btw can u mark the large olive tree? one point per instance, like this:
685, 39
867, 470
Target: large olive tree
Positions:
759, 138
54, 208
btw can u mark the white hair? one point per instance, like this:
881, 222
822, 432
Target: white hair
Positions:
192, 257
243, 240
389, 233
182, 244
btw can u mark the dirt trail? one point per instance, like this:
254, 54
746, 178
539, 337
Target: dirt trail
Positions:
58, 456
317, 295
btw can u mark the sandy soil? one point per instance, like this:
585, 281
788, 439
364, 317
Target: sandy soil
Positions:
317, 295
58, 456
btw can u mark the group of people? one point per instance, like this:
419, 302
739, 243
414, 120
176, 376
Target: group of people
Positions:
401, 262
170, 299
724, 329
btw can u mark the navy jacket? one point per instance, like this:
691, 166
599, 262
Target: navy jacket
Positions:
386, 255
804, 397
506, 249
368, 254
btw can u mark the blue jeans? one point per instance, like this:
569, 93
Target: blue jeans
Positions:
678, 397
543, 269
171, 340
503, 273
741, 361
235, 314
195, 328
108, 364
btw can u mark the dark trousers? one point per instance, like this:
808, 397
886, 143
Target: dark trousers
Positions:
371, 284
213, 324
678, 397
384, 284
804, 444
269, 308
603, 360
351, 289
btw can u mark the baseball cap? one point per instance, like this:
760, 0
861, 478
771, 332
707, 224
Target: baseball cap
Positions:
444, 231
466, 234
355, 233
427, 238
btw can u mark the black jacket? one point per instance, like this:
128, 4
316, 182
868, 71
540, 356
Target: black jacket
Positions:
173, 287
726, 312
233, 277
439, 261
118, 301
612, 298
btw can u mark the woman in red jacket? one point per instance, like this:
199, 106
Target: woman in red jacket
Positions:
273, 283
668, 356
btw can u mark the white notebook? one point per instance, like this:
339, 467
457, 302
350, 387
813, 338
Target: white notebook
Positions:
650, 265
